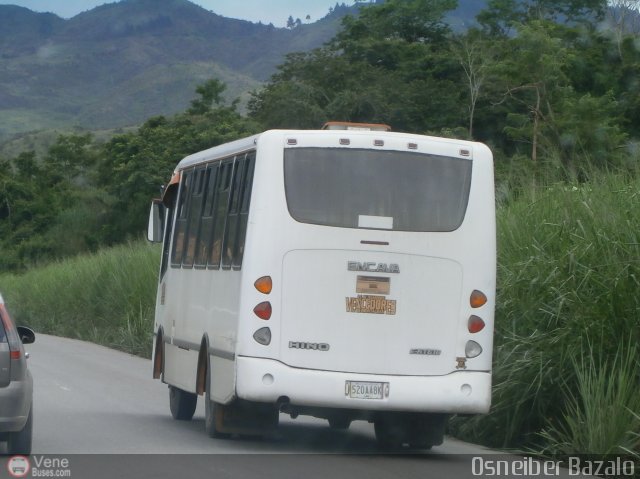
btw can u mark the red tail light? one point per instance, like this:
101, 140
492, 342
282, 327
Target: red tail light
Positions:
475, 324
263, 310
12, 335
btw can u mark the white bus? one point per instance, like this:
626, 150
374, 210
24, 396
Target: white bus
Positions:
346, 273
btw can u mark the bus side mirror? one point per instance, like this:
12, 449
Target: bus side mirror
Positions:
156, 222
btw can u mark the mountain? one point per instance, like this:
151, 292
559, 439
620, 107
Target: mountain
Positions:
22, 30
120, 63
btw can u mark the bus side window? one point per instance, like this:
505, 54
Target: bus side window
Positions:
245, 198
180, 232
166, 242
233, 213
223, 186
193, 222
206, 221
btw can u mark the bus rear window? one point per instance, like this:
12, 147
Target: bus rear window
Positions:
359, 188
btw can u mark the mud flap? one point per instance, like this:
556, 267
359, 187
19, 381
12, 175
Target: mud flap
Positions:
417, 430
247, 418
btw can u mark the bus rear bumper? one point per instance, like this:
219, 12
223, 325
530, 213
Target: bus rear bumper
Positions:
270, 381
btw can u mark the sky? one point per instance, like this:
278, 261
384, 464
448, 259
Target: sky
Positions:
267, 11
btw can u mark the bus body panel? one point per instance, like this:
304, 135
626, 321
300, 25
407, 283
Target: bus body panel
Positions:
176, 361
199, 304
265, 380
324, 302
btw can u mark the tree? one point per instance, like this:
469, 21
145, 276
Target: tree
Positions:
290, 22
46, 205
624, 18
135, 165
544, 108
391, 64
413, 21
533, 78
589, 129
473, 53
210, 95
501, 16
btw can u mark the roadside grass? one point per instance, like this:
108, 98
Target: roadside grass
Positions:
599, 417
566, 368
567, 311
107, 297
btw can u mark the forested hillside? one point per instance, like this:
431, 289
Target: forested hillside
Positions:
541, 82
120, 63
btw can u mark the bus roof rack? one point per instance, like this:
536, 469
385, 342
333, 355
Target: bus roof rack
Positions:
346, 125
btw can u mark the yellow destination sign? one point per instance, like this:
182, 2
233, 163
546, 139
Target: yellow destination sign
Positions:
366, 303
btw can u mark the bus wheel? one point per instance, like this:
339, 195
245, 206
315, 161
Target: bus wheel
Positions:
427, 430
182, 404
391, 432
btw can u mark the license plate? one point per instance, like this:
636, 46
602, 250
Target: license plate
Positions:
366, 390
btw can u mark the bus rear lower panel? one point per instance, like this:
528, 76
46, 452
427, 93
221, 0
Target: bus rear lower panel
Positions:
267, 381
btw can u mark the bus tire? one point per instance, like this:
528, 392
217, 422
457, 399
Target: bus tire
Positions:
182, 404
391, 431
426, 430
339, 422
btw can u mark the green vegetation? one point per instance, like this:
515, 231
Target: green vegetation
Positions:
84, 194
567, 323
599, 417
554, 95
107, 297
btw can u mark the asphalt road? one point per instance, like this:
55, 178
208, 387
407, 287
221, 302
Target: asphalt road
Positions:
101, 411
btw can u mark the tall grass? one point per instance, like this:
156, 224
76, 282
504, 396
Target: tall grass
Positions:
107, 297
599, 417
568, 289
